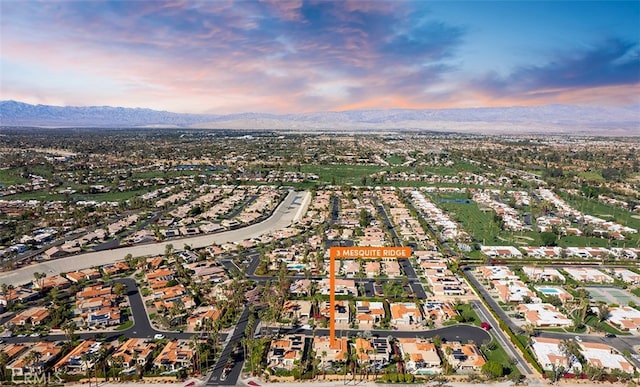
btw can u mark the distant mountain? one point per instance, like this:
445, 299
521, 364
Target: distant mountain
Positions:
550, 119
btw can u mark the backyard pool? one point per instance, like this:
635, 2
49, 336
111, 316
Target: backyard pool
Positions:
548, 291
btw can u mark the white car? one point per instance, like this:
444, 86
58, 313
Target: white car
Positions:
578, 339
158, 336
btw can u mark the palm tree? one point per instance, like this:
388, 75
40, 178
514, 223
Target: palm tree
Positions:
324, 370
4, 359
39, 277
69, 328
572, 351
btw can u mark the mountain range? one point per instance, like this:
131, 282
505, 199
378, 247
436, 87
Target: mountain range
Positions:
549, 119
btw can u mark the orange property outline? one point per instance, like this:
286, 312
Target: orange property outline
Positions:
355, 252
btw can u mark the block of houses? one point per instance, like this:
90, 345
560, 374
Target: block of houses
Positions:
372, 268
80, 275
50, 282
439, 311
544, 315
543, 274
463, 357
350, 268
588, 274
32, 316
543, 252
344, 287
166, 297
198, 319
299, 309
371, 351
625, 318
135, 351
329, 354
116, 268
19, 294
501, 251
49, 351
513, 291
163, 274
13, 350
391, 268
626, 275
602, 355
94, 291
341, 311
405, 313
73, 361
300, 287
423, 356
548, 352
284, 352
174, 356
369, 313
104, 317
496, 273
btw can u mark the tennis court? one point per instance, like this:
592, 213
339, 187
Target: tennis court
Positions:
612, 295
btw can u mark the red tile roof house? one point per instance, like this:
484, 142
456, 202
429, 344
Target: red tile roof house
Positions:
74, 362
134, 351
174, 356
87, 274
284, 352
33, 316
49, 352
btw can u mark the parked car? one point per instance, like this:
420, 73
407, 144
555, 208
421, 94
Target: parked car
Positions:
158, 336
609, 335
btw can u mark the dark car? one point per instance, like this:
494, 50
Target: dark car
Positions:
609, 335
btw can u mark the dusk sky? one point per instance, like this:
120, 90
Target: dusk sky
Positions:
273, 56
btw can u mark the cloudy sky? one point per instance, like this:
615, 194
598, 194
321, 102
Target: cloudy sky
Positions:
280, 56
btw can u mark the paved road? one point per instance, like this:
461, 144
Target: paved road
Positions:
231, 378
502, 338
282, 217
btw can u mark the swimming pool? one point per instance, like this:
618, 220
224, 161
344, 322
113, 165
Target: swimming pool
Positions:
296, 266
549, 291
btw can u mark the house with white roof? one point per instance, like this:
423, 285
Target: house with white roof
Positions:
544, 315
588, 274
548, 352
625, 318
626, 275
543, 274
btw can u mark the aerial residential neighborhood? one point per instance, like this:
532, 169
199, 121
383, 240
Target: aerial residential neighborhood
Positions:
224, 284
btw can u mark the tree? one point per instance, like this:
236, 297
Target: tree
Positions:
69, 328
572, 351
168, 250
119, 289
603, 312
548, 238
4, 359
39, 278
493, 369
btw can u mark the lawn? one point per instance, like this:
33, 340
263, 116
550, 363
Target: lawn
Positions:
395, 160
475, 221
342, 173
126, 325
11, 177
114, 196
604, 211
594, 322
